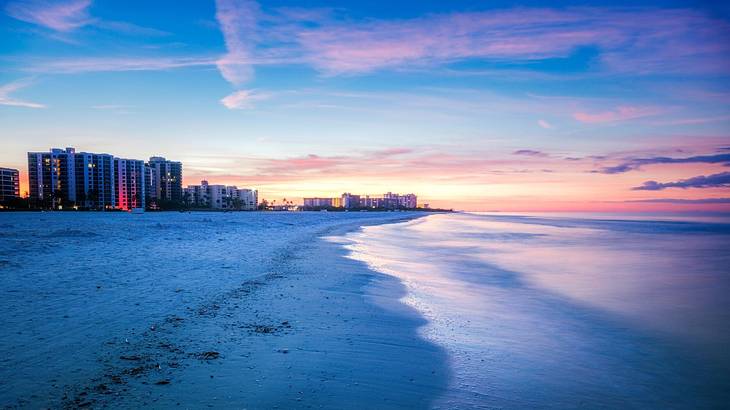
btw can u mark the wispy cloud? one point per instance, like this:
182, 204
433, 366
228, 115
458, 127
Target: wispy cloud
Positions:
622, 113
650, 40
700, 201
7, 99
238, 20
653, 40
544, 124
243, 99
530, 153
108, 64
56, 15
130, 28
636, 163
710, 181
695, 121
66, 16
114, 108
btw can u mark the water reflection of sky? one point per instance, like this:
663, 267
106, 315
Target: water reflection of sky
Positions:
534, 284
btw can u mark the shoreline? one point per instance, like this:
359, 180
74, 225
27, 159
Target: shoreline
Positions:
303, 333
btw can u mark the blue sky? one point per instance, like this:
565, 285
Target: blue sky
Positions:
312, 98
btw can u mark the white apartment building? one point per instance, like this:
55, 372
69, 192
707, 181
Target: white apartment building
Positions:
221, 197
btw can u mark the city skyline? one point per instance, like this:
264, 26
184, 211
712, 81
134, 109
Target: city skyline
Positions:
475, 107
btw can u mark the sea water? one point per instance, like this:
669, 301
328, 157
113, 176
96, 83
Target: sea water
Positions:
567, 312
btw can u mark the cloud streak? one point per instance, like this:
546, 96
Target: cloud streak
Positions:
237, 20
120, 64
710, 181
622, 113
530, 153
59, 16
700, 201
544, 124
628, 41
668, 40
636, 163
7, 99
243, 99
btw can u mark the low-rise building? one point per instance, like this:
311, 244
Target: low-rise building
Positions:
350, 201
221, 197
245, 199
311, 203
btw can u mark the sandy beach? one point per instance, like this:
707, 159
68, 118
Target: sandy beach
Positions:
197, 310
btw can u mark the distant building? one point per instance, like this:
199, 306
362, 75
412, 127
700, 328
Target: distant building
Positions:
65, 178
197, 195
9, 184
51, 177
165, 181
221, 197
350, 201
245, 199
318, 203
95, 186
397, 201
130, 183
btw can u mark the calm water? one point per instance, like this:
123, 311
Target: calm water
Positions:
564, 312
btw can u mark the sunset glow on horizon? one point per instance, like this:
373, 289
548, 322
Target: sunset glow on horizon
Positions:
608, 108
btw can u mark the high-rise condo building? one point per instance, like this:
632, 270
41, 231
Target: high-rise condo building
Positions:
165, 179
130, 183
65, 178
9, 184
95, 181
51, 178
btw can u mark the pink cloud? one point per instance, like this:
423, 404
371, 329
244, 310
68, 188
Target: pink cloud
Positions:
628, 41
238, 21
544, 124
59, 16
694, 121
622, 113
243, 99
657, 39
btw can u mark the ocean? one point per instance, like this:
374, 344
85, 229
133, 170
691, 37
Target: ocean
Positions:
549, 311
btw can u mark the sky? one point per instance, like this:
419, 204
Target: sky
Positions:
484, 106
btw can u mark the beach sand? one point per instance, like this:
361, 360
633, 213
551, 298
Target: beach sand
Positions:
284, 321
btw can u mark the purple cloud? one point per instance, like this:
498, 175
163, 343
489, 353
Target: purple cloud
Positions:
59, 16
684, 201
636, 163
670, 40
530, 153
710, 181
622, 113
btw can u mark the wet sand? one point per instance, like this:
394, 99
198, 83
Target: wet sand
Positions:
305, 327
